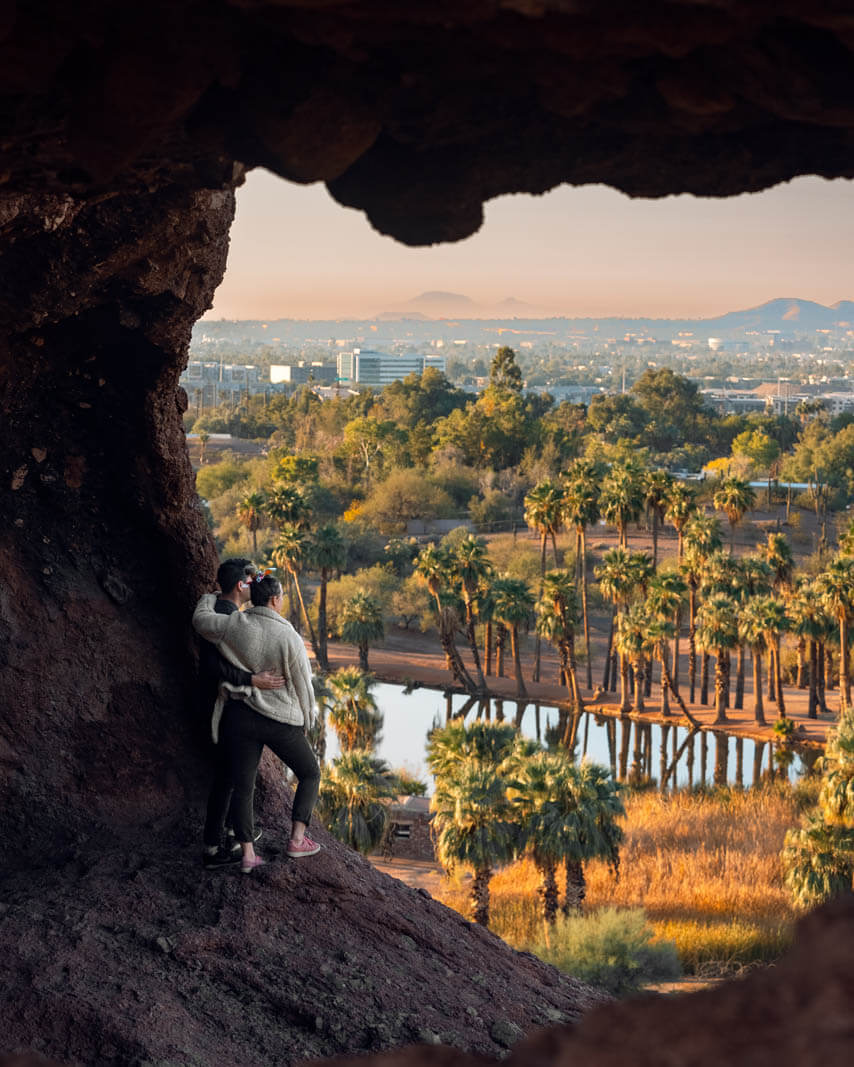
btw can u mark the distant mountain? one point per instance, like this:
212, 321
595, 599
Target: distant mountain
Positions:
785, 314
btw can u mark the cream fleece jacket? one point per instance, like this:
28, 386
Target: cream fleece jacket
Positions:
259, 639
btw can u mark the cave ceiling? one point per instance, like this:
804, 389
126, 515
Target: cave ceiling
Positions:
417, 113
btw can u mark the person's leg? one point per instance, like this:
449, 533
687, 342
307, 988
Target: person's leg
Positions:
291, 746
239, 734
219, 800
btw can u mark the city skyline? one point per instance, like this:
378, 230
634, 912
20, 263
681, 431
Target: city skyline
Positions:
585, 251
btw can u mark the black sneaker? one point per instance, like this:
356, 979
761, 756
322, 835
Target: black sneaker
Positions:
223, 857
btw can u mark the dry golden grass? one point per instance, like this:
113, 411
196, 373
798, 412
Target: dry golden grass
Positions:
705, 869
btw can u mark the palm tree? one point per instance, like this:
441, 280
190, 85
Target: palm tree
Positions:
204, 437
753, 630
718, 632
680, 509
753, 579
657, 486
353, 711
701, 538
470, 566
735, 497
433, 566
290, 553
664, 599
544, 512
809, 622
362, 624
620, 574
557, 612
597, 800
327, 554
472, 826
632, 646
581, 509
778, 554
835, 585
513, 606
494, 744
351, 799
621, 498
286, 506
250, 512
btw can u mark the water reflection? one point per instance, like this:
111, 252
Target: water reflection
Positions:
667, 755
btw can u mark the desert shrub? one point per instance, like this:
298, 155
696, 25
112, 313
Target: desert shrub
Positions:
612, 948
406, 784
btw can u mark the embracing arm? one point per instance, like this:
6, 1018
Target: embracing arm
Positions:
207, 622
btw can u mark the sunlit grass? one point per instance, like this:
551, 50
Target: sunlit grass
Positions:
705, 869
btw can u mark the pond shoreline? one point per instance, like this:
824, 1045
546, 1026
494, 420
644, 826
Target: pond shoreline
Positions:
407, 659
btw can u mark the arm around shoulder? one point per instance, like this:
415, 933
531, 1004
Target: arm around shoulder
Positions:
206, 621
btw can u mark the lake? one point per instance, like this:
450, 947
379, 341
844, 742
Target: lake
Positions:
634, 751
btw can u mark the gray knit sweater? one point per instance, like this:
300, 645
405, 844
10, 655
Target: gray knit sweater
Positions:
259, 639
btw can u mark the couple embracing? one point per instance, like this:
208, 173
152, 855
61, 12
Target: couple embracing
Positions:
264, 697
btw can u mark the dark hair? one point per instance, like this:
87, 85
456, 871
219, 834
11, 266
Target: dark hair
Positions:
263, 590
231, 571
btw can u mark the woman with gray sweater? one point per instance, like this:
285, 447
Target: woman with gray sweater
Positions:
246, 718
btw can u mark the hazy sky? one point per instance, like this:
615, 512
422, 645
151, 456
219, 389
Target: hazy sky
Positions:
295, 253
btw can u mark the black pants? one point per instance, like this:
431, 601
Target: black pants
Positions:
219, 812
243, 733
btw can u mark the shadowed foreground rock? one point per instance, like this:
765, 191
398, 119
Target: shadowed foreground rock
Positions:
797, 1014
132, 956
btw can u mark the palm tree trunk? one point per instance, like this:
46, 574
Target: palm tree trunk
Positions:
828, 667
844, 666
572, 675
535, 676
625, 702
584, 613
812, 711
606, 674
312, 635
548, 891
639, 673
721, 685
654, 538
820, 679
487, 647
692, 641
322, 632
475, 651
576, 889
678, 622
704, 680
758, 707
772, 676
363, 657
801, 682
668, 681
778, 678
664, 708
500, 645
739, 679
480, 895
521, 691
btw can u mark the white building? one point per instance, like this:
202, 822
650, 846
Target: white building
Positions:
375, 369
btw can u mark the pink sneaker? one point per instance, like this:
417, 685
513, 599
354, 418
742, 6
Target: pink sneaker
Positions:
306, 847
247, 866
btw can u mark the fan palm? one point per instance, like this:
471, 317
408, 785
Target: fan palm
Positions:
513, 606
494, 744
362, 624
351, 799
327, 554
286, 506
752, 579
581, 509
680, 509
657, 485
433, 566
250, 513
621, 498
718, 632
835, 585
544, 512
557, 613
290, 553
809, 622
701, 536
353, 711
620, 574
470, 566
735, 497
472, 827
753, 629
632, 646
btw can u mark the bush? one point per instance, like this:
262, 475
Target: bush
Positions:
613, 949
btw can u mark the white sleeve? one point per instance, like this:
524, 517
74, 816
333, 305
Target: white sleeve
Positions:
207, 622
